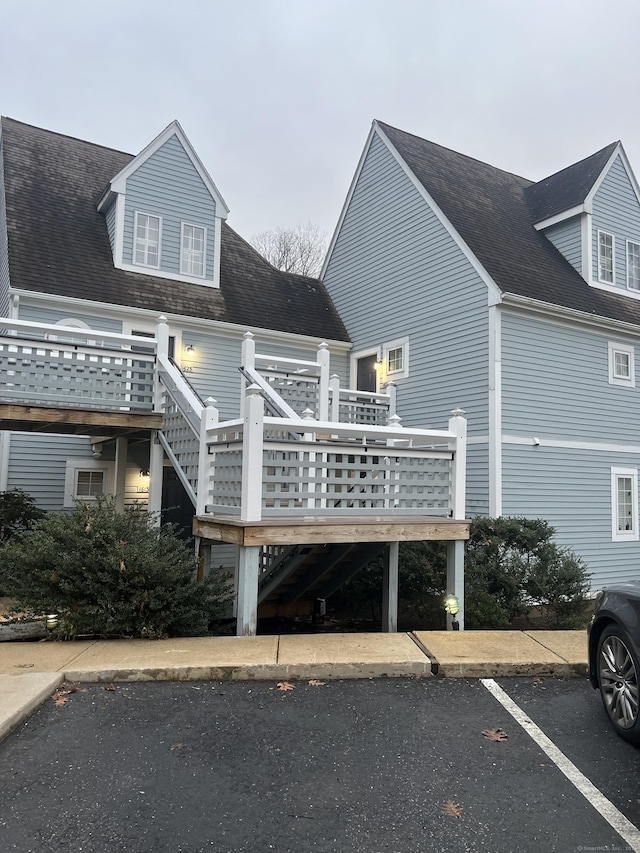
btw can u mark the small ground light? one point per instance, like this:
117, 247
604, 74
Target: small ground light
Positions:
52, 621
452, 607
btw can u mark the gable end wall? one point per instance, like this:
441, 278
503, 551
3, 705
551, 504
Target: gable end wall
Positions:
567, 238
168, 185
616, 210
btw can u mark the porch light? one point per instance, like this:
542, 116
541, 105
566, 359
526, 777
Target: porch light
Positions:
144, 473
189, 349
52, 621
452, 608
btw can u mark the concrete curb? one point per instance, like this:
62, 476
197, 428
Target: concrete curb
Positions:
22, 694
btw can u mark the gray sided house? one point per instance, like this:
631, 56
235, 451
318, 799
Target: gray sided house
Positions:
148, 352
519, 302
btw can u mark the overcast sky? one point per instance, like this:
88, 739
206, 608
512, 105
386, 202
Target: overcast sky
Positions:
277, 96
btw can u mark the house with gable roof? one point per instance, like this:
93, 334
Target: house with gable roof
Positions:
520, 302
148, 352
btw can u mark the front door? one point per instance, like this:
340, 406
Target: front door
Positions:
366, 378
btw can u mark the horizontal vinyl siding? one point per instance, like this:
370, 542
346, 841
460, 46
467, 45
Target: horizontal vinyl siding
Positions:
168, 185
396, 271
214, 366
571, 489
555, 383
4, 249
567, 238
42, 314
616, 210
477, 502
37, 465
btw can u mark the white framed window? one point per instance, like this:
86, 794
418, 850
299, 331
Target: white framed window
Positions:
621, 365
606, 265
86, 479
624, 504
193, 243
396, 359
633, 265
148, 232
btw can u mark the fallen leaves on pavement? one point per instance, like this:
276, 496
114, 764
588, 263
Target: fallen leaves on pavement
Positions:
177, 746
285, 685
23, 665
452, 809
495, 734
316, 683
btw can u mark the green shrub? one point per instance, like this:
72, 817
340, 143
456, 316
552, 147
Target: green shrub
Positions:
511, 564
18, 514
110, 574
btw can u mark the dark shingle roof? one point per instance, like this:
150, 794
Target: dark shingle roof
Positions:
58, 243
568, 188
489, 209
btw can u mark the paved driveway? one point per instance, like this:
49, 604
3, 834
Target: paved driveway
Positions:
367, 766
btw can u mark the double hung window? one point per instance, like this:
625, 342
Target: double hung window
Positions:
605, 257
192, 250
147, 240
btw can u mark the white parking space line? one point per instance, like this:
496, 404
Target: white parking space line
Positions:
615, 818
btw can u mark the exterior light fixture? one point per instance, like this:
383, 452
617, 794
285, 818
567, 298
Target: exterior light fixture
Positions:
144, 473
190, 349
52, 621
452, 608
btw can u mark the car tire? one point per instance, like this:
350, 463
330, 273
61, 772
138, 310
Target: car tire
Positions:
618, 670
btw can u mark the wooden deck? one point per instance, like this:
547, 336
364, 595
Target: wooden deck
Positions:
327, 529
75, 421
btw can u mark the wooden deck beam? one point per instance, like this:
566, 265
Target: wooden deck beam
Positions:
46, 419
312, 530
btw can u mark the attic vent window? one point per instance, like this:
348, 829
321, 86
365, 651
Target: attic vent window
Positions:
192, 250
147, 248
605, 257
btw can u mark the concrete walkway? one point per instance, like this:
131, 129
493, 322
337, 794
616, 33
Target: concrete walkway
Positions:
31, 671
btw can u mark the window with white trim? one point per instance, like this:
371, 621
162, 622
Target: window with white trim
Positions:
633, 265
605, 257
624, 504
147, 240
396, 359
621, 365
192, 249
86, 480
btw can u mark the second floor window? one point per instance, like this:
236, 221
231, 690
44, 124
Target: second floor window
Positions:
633, 265
147, 243
605, 257
192, 250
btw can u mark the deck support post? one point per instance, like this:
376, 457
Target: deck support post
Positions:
455, 578
248, 568
390, 590
120, 472
156, 469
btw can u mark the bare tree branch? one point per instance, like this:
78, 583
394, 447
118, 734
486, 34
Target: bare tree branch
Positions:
298, 250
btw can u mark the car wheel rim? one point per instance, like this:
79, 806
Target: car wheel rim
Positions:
619, 682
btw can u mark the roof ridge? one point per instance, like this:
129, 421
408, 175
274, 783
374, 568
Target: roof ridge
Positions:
453, 151
65, 135
611, 145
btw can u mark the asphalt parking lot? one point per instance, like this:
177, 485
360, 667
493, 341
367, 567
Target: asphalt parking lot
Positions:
375, 765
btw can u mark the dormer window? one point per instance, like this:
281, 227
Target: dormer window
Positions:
605, 257
633, 265
192, 250
147, 246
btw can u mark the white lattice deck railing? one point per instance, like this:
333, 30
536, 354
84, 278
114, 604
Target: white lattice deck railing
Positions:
62, 366
261, 467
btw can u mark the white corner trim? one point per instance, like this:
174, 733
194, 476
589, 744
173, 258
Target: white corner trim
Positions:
118, 183
5, 442
495, 411
559, 217
217, 243
495, 294
587, 246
